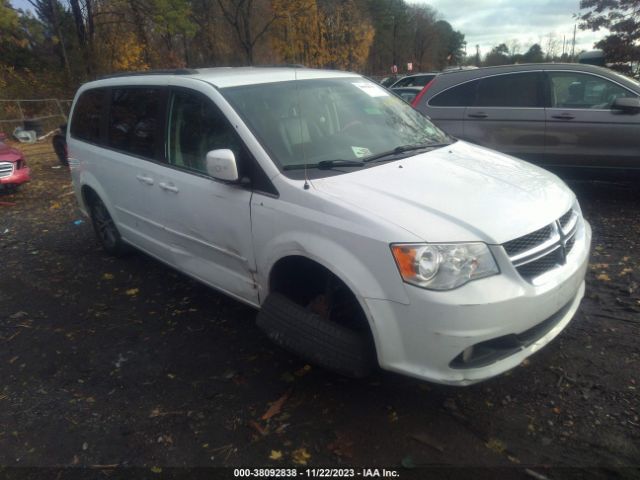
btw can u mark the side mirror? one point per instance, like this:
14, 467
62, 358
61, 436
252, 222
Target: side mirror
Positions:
221, 164
626, 104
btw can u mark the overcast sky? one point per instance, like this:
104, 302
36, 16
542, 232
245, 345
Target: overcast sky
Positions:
490, 22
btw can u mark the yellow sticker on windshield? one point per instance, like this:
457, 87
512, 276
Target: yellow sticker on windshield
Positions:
361, 151
371, 89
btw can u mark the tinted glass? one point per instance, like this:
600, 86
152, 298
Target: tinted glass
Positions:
134, 119
581, 90
196, 126
461, 96
511, 90
307, 121
88, 115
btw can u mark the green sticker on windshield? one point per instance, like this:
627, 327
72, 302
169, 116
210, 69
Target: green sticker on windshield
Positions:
361, 151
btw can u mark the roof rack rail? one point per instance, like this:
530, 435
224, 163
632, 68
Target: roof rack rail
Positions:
169, 71
280, 65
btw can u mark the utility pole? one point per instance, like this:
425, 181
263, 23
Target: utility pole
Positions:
573, 45
477, 55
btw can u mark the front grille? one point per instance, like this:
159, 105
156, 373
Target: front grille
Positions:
545, 249
527, 242
6, 169
564, 219
542, 265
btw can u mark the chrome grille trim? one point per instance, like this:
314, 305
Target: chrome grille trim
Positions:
6, 169
548, 247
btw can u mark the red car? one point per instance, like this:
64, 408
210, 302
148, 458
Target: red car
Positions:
13, 167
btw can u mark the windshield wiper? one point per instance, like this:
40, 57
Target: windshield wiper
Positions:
403, 149
326, 164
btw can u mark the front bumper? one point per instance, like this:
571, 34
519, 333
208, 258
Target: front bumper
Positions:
18, 177
426, 338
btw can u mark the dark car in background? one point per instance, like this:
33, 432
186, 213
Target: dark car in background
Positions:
568, 117
408, 94
415, 80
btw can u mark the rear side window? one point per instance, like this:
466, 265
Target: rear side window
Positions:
459, 96
88, 115
511, 90
134, 119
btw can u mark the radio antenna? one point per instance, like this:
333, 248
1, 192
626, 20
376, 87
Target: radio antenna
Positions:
301, 133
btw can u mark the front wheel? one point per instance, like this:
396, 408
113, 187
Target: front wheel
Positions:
106, 229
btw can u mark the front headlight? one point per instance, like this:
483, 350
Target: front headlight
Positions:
443, 266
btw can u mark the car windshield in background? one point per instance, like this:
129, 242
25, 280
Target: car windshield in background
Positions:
336, 121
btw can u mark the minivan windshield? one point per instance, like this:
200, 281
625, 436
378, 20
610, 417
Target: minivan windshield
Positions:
323, 123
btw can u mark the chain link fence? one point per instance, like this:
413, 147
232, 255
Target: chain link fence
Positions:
42, 116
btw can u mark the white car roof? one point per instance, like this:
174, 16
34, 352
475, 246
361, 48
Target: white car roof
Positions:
223, 77
236, 76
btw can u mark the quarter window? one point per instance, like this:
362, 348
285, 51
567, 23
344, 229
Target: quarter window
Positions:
197, 126
512, 90
581, 90
133, 120
88, 115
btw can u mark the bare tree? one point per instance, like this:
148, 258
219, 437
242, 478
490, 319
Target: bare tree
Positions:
552, 46
243, 17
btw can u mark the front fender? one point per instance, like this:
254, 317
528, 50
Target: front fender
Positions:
364, 279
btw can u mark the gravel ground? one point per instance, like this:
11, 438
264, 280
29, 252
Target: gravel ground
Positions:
126, 363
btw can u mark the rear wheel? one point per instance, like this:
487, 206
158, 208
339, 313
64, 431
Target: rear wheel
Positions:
106, 229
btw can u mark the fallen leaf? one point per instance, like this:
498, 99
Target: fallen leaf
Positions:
132, 291
276, 406
300, 456
496, 445
603, 277
275, 455
258, 428
156, 469
625, 271
107, 276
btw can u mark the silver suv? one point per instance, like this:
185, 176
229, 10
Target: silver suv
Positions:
555, 115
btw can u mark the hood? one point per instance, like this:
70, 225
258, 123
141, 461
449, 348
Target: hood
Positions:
457, 193
8, 154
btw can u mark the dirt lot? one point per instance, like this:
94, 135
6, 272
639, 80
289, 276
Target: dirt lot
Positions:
124, 362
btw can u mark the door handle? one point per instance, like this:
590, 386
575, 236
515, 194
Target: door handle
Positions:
168, 187
478, 115
145, 179
563, 116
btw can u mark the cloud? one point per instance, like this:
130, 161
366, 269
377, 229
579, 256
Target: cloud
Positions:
488, 23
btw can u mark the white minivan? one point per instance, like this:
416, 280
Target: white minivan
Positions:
365, 235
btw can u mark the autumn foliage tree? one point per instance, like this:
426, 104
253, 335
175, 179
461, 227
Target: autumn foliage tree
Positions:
63, 43
622, 19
